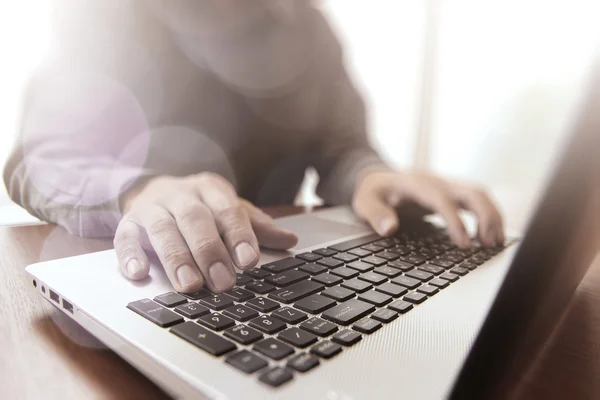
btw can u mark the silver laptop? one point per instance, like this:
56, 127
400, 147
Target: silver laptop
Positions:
349, 315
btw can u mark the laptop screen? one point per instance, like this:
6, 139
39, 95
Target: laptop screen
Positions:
560, 244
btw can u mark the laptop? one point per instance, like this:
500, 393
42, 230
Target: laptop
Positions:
350, 315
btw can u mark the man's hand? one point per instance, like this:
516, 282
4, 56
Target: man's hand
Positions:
378, 193
199, 229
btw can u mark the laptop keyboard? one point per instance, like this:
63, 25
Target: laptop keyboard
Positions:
286, 317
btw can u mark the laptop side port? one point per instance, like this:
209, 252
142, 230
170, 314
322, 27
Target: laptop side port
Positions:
67, 306
54, 296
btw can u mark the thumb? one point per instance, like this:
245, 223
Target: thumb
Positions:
267, 232
380, 215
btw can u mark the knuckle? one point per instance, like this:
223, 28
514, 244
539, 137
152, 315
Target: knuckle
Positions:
161, 227
126, 251
174, 254
205, 245
191, 211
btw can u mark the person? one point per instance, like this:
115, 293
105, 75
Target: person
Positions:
167, 124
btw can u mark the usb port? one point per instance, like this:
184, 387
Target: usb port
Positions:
68, 306
54, 296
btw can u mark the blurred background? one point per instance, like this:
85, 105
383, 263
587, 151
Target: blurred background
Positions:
477, 90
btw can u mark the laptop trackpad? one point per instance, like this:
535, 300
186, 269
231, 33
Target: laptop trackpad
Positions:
313, 231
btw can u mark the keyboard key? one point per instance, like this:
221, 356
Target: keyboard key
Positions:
415, 297
216, 302
384, 243
338, 293
375, 298
345, 272
388, 255
326, 349
276, 376
286, 278
282, 265
216, 321
468, 265
361, 266
319, 327
459, 271
372, 277
428, 290
246, 361
263, 304
313, 269
346, 337
325, 252
433, 269
377, 261
349, 311
273, 348
400, 250
406, 281
401, 265
440, 262
197, 295
239, 294
346, 257
391, 289
367, 325
303, 362
413, 259
289, 315
267, 324
170, 299
373, 248
351, 244
401, 306
330, 262
388, 271
257, 273
242, 279
243, 334
240, 312
327, 279
360, 252
296, 291
192, 310
357, 285
260, 287
455, 258
385, 315
420, 275
297, 337
440, 283
203, 338
449, 276
309, 257
314, 304
154, 312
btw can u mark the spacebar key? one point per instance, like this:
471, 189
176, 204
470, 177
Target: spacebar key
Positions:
296, 291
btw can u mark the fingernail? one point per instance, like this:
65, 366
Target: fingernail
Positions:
386, 225
245, 254
133, 266
187, 275
220, 276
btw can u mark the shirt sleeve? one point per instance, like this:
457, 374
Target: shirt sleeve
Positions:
343, 150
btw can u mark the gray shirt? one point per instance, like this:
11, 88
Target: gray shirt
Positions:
253, 90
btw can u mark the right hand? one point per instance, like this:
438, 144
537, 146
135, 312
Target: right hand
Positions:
199, 229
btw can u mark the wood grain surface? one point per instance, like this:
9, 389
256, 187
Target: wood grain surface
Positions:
39, 360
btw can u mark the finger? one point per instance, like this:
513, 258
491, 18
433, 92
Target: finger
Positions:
435, 198
488, 218
172, 250
231, 219
380, 215
132, 258
197, 225
267, 232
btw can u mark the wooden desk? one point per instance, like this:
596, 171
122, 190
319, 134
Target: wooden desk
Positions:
40, 360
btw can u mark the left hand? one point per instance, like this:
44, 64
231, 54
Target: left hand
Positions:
378, 193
